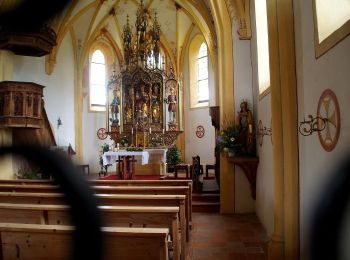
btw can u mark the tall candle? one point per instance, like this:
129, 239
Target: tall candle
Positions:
150, 130
163, 130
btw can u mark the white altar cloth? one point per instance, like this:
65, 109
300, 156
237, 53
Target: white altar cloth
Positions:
111, 156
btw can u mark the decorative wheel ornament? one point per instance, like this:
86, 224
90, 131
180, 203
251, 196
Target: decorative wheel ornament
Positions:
328, 108
260, 133
200, 131
101, 133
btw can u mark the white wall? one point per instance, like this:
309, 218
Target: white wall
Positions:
242, 90
58, 91
262, 111
314, 76
92, 121
204, 147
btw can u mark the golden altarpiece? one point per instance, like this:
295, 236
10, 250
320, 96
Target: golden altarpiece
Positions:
143, 99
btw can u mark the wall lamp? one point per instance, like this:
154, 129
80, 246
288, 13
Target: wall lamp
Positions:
313, 124
262, 131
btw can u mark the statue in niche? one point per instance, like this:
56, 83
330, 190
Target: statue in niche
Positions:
245, 126
142, 104
155, 104
115, 107
129, 105
171, 101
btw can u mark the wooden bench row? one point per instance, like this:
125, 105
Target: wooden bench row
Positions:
116, 193
118, 183
54, 242
112, 216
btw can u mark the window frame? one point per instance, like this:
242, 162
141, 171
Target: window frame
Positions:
194, 58
331, 40
97, 107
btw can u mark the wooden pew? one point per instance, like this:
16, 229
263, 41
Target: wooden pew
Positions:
117, 183
36, 241
156, 190
107, 200
116, 216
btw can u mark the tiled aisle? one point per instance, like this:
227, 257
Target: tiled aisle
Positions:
227, 237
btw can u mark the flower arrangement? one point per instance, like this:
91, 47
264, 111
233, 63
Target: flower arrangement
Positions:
156, 141
228, 139
124, 141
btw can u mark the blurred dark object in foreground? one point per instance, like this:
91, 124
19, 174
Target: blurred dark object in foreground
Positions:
87, 236
330, 215
24, 28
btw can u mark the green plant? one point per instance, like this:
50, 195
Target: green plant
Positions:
105, 148
27, 173
173, 155
134, 149
123, 140
229, 139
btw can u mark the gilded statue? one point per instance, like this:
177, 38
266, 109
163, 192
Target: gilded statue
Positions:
155, 104
129, 106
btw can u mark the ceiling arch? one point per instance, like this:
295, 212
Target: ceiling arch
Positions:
87, 17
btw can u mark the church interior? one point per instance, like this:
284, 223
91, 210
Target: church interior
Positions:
205, 129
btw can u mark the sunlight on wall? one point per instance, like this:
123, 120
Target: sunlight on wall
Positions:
262, 45
331, 15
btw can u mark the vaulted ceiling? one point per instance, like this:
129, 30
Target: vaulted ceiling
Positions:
86, 20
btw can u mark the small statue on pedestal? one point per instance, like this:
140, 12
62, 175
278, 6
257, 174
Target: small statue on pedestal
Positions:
245, 125
115, 107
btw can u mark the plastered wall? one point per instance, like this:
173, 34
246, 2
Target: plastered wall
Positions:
204, 147
262, 111
58, 91
314, 76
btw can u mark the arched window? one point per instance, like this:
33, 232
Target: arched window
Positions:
202, 77
98, 81
199, 72
262, 46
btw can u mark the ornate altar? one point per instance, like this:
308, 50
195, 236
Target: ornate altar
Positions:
143, 98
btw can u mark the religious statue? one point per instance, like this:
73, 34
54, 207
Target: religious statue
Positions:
142, 104
115, 107
155, 104
129, 105
245, 126
171, 101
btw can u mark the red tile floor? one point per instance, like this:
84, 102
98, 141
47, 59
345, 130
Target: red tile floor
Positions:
227, 237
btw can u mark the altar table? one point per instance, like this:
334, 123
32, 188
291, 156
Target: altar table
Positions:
150, 161
128, 158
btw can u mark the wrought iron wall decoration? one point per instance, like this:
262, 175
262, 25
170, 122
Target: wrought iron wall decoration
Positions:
262, 131
313, 124
326, 123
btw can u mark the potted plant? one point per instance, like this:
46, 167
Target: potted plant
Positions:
173, 157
